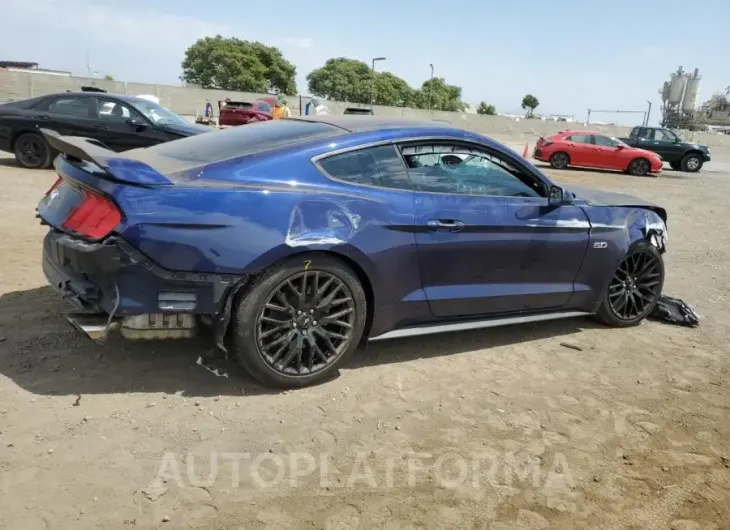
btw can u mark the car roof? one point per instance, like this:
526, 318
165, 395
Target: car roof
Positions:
121, 97
356, 124
585, 132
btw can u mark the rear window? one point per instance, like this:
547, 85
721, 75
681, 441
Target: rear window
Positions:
215, 146
237, 105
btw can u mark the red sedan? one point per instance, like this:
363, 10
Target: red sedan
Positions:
596, 150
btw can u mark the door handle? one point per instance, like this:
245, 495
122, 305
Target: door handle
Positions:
445, 225
44, 117
102, 127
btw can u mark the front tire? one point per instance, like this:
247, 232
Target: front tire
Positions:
635, 287
299, 320
32, 151
692, 163
639, 167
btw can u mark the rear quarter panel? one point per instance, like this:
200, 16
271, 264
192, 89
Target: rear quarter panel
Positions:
240, 217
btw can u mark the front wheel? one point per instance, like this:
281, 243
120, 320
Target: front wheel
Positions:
639, 167
634, 288
692, 163
299, 320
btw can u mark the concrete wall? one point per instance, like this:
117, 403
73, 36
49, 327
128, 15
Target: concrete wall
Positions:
189, 101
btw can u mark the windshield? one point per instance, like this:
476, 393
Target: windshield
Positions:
157, 113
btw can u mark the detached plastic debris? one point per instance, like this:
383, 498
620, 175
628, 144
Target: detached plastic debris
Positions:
675, 311
207, 364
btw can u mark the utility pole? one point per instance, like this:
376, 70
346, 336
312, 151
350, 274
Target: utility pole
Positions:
372, 88
430, 88
648, 113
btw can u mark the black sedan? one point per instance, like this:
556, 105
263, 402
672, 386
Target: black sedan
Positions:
120, 122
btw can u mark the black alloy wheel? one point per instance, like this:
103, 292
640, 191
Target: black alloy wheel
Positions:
636, 285
639, 167
306, 324
32, 151
559, 160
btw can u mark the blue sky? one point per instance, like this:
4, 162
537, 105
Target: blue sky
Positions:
571, 54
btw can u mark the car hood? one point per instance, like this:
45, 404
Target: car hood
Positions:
183, 129
593, 197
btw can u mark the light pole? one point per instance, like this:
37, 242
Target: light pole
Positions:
430, 87
648, 113
372, 88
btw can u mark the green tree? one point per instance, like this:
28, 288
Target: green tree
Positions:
486, 109
436, 94
341, 79
235, 64
108, 77
392, 91
530, 103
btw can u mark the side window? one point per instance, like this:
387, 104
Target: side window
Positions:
647, 134
662, 135
634, 132
604, 141
263, 107
456, 169
71, 106
580, 138
375, 166
110, 110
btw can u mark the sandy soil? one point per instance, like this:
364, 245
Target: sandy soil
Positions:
500, 429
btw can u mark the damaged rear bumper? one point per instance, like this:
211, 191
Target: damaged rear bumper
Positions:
115, 282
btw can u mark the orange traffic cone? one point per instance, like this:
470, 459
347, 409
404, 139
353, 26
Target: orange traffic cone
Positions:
524, 153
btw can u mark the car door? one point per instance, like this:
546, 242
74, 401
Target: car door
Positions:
608, 153
664, 144
581, 150
488, 241
71, 115
123, 128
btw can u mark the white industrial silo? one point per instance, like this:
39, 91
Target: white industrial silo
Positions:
665, 91
691, 92
676, 87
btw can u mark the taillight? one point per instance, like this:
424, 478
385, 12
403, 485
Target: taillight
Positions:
94, 218
54, 186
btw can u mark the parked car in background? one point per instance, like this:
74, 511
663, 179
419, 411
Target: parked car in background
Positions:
233, 113
359, 111
120, 122
595, 150
295, 239
681, 155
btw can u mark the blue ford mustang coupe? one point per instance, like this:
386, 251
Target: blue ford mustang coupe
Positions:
296, 239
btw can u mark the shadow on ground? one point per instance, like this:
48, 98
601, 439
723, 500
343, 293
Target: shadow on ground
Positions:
43, 354
666, 172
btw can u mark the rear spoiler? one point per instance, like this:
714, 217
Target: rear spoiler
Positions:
119, 166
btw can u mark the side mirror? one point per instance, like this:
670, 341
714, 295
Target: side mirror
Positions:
136, 122
619, 147
558, 196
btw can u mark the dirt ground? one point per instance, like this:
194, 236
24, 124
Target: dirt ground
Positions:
499, 429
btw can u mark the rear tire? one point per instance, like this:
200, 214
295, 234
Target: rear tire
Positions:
642, 287
32, 151
639, 167
676, 166
299, 320
692, 163
559, 160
